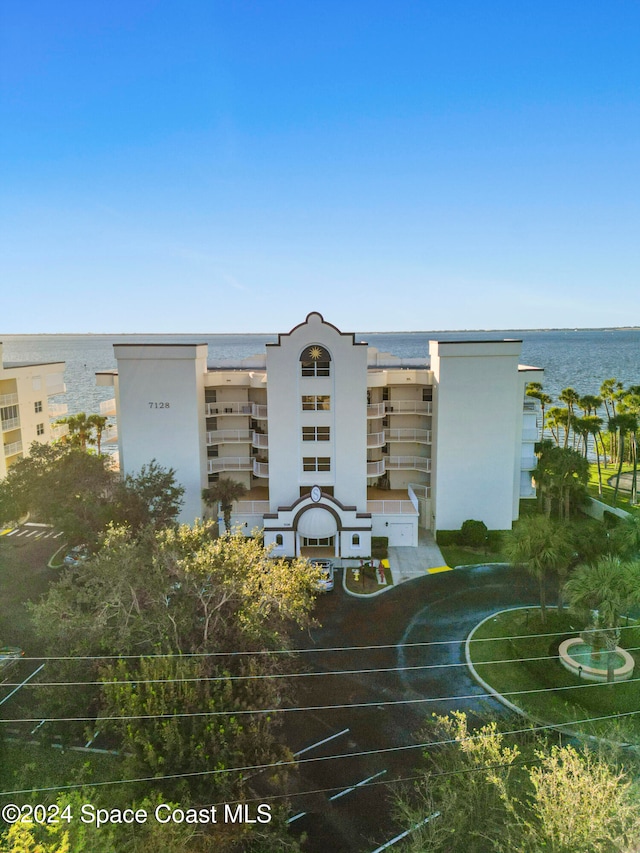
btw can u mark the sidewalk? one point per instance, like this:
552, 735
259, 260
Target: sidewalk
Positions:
407, 563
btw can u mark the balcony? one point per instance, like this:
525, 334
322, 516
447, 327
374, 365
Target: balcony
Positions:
55, 385
58, 410
251, 507
417, 436
409, 407
243, 407
391, 508
108, 407
529, 434
13, 448
375, 469
59, 431
260, 469
259, 412
260, 440
375, 439
229, 463
224, 436
10, 423
110, 433
400, 463
375, 410
528, 463
8, 400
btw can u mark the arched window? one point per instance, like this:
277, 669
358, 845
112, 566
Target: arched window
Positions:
279, 540
355, 540
315, 361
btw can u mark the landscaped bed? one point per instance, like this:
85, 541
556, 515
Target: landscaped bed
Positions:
368, 579
555, 705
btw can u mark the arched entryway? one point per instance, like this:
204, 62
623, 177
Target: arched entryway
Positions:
317, 533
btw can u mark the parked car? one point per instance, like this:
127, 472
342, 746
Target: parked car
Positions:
326, 581
9, 657
77, 555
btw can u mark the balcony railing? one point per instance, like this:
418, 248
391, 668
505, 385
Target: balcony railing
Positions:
8, 400
58, 410
404, 407
251, 507
260, 469
223, 436
110, 433
13, 448
10, 423
529, 434
243, 407
108, 407
391, 508
375, 439
418, 436
59, 431
375, 410
229, 463
417, 463
260, 440
528, 463
375, 469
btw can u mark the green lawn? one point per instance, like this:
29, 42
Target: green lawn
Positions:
459, 555
561, 706
607, 490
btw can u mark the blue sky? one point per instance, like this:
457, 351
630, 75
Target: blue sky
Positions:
230, 166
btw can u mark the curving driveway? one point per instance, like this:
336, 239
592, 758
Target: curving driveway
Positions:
434, 608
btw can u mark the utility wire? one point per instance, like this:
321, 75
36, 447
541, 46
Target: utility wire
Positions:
284, 710
294, 763
302, 651
227, 678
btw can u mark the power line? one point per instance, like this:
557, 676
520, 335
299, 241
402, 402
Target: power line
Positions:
282, 710
303, 651
311, 674
281, 764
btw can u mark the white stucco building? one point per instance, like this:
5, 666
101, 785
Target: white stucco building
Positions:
25, 410
334, 440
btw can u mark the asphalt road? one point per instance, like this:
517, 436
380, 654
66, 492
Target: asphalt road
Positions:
442, 607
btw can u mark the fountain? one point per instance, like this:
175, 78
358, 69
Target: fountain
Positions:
591, 665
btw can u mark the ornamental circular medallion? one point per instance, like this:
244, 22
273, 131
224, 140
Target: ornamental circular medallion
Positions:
316, 494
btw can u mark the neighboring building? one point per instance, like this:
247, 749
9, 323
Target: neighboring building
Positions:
25, 410
334, 440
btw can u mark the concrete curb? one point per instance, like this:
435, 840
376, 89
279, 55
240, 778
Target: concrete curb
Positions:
51, 564
364, 594
563, 728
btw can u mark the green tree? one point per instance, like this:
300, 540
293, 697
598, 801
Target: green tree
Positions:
562, 474
600, 593
487, 798
98, 423
150, 497
534, 389
543, 546
80, 430
225, 492
622, 425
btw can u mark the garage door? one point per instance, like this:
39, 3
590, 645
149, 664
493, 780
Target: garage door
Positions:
400, 534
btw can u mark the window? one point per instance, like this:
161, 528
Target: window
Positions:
312, 433
210, 395
315, 361
313, 403
212, 451
38, 406
316, 463
39, 429
427, 394
385, 393
355, 540
318, 542
279, 540
213, 478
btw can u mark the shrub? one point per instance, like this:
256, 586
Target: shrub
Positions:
447, 537
380, 547
473, 533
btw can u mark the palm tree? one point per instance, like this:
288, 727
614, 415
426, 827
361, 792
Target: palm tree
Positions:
571, 397
601, 592
609, 391
626, 537
542, 546
592, 425
80, 429
622, 424
534, 389
98, 422
224, 492
630, 405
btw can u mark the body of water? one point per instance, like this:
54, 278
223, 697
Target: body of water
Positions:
582, 358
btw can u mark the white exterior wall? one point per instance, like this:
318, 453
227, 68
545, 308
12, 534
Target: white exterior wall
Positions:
173, 436
478, 426
346, 386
